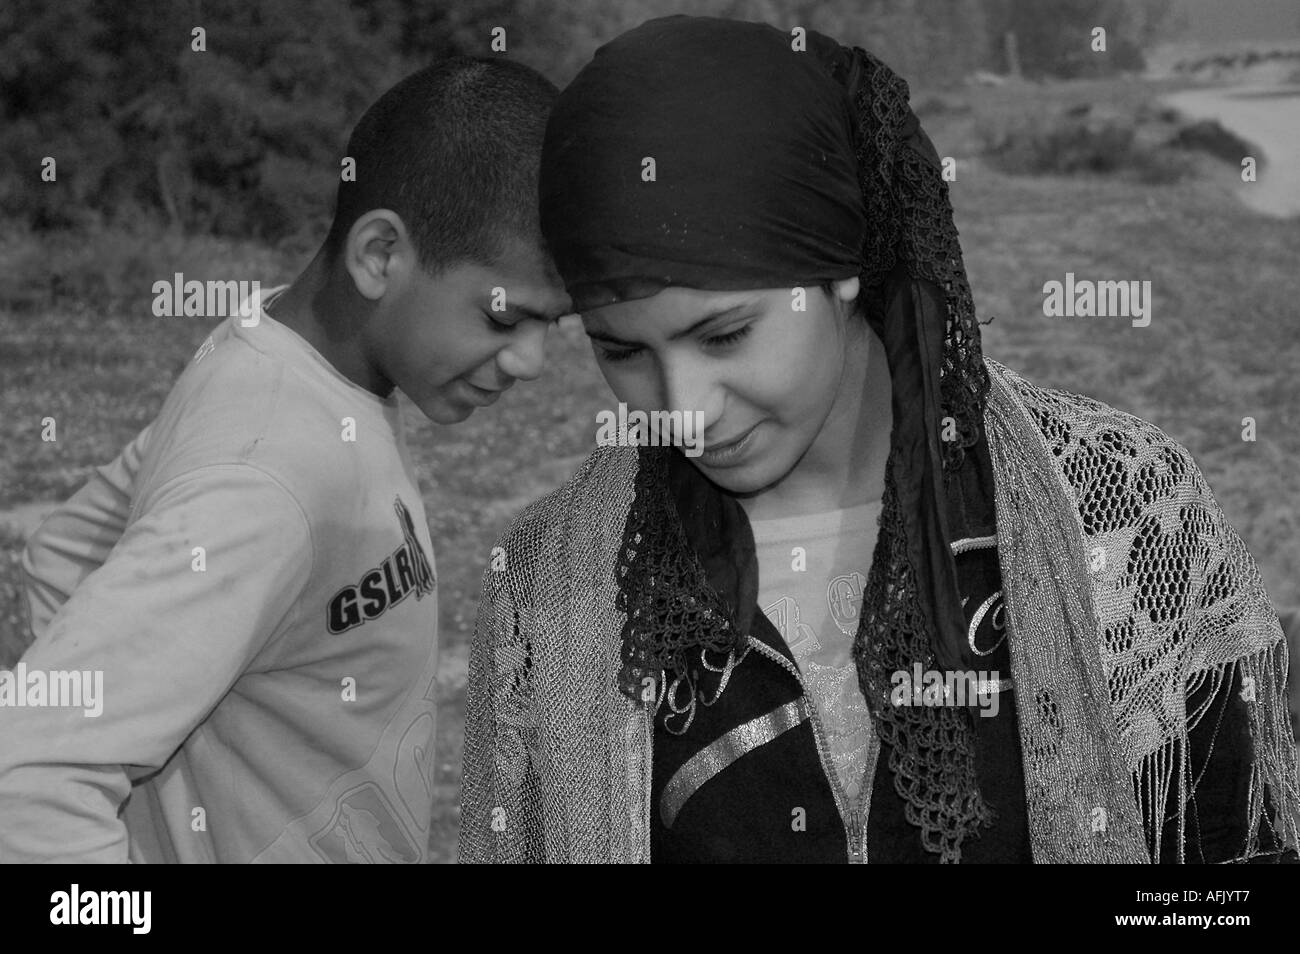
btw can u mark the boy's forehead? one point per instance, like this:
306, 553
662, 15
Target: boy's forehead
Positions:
525, 270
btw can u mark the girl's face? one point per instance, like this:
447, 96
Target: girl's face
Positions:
764, 376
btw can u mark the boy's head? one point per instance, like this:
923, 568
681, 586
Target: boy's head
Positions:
439, 234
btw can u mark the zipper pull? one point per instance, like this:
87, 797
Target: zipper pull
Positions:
855, 839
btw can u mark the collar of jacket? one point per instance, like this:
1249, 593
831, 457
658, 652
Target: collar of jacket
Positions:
717, 529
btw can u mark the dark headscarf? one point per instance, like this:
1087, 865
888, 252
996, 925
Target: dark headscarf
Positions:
775, 166
743, 196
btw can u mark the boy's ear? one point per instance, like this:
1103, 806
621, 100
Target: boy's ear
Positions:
378, 253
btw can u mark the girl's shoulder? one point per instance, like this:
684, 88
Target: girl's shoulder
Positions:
593, 501
1089, 439
1154, 532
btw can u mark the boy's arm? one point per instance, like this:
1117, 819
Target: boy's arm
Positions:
76, 538
169, 637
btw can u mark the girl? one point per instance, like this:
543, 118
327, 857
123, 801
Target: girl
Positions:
905, 606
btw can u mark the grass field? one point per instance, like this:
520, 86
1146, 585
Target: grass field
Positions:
1223, 344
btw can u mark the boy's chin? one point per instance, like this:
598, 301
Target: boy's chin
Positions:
442, 411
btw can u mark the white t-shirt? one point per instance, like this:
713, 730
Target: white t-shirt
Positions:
255, 580
811, 573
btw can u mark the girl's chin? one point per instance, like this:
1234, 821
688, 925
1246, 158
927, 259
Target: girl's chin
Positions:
749, 478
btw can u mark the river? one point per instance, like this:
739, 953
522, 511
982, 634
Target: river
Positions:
1269, 117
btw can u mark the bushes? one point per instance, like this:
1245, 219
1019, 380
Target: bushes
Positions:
935, 105
1147, 141
1079, 142
1208, 136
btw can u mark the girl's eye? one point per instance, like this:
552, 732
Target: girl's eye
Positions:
717, 341
731, 337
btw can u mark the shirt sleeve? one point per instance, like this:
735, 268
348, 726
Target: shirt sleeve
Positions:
212, 568
76, 538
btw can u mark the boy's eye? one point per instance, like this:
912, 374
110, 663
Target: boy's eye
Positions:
621, 354
494, 324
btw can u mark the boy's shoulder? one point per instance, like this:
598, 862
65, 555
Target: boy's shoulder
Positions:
239, 404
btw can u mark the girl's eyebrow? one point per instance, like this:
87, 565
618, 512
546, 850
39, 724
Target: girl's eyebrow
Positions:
675, 336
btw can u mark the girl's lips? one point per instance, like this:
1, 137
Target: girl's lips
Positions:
730, 452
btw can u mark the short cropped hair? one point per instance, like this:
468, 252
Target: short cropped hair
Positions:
454, 150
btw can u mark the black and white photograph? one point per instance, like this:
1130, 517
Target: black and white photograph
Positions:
631, 431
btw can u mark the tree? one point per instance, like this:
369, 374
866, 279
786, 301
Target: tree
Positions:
48, 109
1054, 36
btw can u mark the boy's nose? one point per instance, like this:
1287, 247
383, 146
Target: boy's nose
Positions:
524, 358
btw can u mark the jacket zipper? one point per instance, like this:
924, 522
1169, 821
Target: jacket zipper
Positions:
853, 819
858, 817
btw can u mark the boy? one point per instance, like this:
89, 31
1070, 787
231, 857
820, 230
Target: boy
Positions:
265, 616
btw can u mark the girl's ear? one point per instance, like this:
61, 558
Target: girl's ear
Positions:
846, 289
843, 295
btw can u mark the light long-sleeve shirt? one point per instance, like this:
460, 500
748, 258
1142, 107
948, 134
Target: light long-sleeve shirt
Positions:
253, 578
